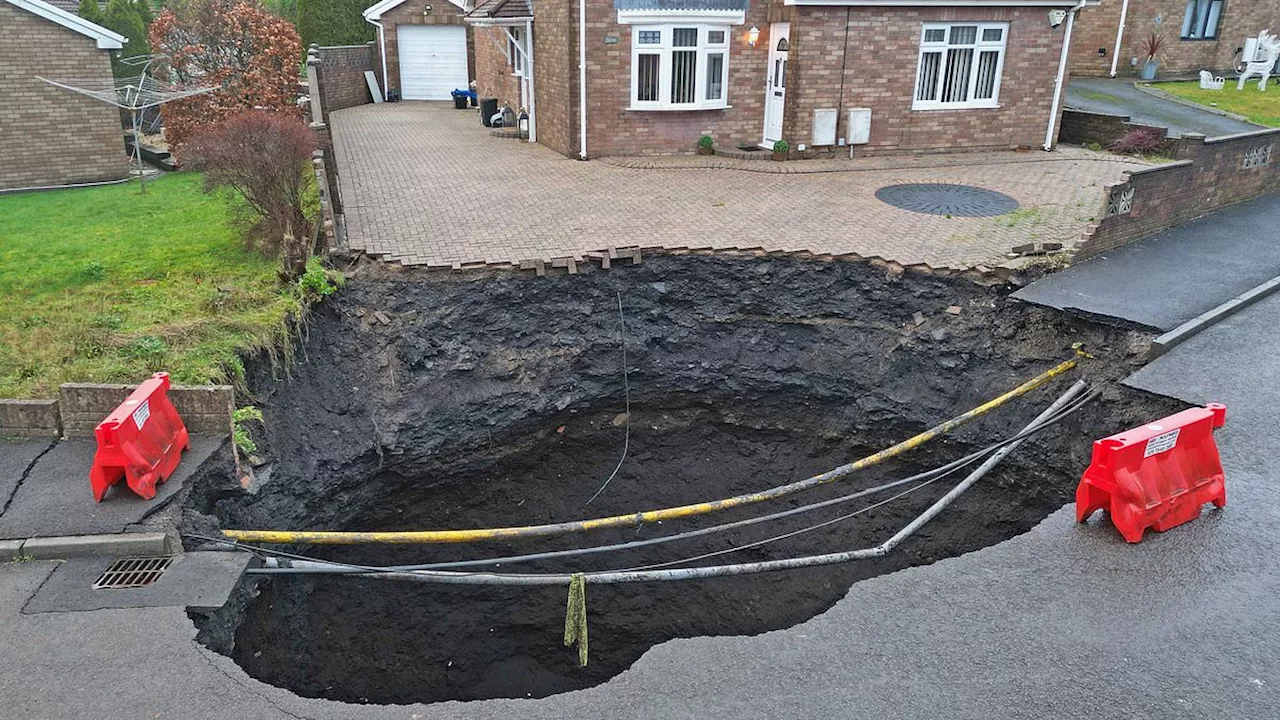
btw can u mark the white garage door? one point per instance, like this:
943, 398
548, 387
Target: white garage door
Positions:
433, 61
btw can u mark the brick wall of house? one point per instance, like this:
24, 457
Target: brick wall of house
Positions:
1096, 30
613, 129
1208, 175
879, 73
415, 12
555, 74
341, 75
51, 136
493, 69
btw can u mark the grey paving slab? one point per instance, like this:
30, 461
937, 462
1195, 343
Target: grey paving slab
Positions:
55, 499
16, 457
1120, 97
196, 581
1166, 279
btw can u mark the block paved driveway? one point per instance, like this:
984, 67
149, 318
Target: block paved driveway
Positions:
424, 184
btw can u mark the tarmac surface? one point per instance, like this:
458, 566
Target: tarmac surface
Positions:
53, 497
1169, 278
1116, 96
1065, 621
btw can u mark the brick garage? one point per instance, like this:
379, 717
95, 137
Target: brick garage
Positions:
1094, 44
856, 54
396, 14
48, 135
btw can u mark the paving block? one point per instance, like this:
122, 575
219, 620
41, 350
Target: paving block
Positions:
117, 545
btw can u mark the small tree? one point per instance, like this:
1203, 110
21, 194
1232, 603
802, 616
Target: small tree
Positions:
249, 53
333, 22
125, 18
261, 157
90, 11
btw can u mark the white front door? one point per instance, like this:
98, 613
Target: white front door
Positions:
433, 61
776, 88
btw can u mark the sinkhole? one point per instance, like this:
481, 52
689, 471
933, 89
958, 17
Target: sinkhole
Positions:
428, 401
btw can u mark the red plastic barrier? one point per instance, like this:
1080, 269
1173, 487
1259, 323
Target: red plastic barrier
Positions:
141, 441
1158, 475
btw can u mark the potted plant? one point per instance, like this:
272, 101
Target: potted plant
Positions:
706, 146
1150, 47
780, 150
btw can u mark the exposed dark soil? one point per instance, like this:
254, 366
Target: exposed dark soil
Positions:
496, 399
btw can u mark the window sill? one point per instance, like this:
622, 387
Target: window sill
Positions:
676, 108
936, 108
1199, 39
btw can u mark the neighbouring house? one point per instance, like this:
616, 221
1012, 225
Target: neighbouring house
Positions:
650, 76
1199, 34
50, 136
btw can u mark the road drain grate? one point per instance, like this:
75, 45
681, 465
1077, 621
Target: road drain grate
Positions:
132, 573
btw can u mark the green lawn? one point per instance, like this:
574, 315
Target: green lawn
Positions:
109, 285
1260, 107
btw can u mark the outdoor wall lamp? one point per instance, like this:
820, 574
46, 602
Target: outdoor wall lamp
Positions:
753, 36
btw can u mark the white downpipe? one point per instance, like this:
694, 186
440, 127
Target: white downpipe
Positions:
1062, 77
382, 46
1115, 56
533, 94
582, 78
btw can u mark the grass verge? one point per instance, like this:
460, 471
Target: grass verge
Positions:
1259, 107
107, 284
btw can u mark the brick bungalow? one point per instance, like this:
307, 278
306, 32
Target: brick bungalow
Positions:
1199, 34
50, 136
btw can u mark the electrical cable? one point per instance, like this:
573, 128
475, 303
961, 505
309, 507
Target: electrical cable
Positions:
626, 388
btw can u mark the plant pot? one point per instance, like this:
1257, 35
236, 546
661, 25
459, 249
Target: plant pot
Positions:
779, 156
1148, 71
706, 150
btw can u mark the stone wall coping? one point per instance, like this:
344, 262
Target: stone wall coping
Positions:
1252, 134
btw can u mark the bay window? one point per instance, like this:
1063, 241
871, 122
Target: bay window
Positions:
679, 67
960, 66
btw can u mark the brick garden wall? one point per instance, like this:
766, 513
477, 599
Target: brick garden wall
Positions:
1096, 29
879, 73
79, 407
341, 74
1208, 175
51, 136
414, 12
1081, 128
493, 70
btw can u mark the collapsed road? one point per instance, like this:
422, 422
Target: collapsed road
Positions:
424, 401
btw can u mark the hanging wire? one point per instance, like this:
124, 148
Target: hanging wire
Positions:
626, 389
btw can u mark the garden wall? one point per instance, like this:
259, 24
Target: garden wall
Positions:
1209, 174
79, 407
1082, 128
340, 75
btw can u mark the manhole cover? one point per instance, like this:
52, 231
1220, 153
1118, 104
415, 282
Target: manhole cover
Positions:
943, 199
132, 573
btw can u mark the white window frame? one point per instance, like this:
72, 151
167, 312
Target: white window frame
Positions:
515, 45
664, 50
979, 46
1197, 26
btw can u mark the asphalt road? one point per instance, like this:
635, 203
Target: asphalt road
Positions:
1169, 278
1120, 97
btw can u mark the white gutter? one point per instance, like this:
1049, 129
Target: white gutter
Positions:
382, 46
1115, 56
533, 93
1062, 77
582, 78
